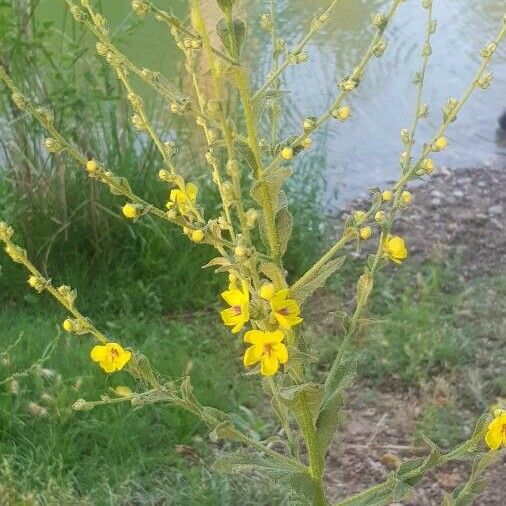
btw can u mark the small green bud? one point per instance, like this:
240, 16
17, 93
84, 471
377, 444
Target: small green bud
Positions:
53, 146
379, 20
266, 22
489, 50
485, 80
19, 100
379, 48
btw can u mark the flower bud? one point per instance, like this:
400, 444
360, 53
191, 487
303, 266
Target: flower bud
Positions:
68, 325
37, 283
387, 196
379, 48
251, 218
266, 22
380, 216
16, 253
197, 235
91, 166
138, 122
489, 50
19, 100
53, 146
6, 232
342, 113
359, 217
130, 211
164, 175
379, 20
307, 142
439, 144
348, 85
240, 251
365, 233
485, 80
309, 124
406, 198
232, 167
287, 153
101, 49
428, 165
267, 291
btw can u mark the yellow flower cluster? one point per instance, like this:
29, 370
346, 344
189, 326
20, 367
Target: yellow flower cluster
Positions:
275, 314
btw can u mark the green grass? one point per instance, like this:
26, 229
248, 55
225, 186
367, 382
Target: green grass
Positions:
116, 454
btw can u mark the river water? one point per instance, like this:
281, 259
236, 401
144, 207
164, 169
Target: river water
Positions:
364, 151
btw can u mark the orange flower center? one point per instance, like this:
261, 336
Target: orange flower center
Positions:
113, 354
268, 349
283, 311
237, 310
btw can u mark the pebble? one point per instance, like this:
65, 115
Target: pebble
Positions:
497, 209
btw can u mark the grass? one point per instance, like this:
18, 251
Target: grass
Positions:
117, 455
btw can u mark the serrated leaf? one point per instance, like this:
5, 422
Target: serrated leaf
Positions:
302, 292
284, 225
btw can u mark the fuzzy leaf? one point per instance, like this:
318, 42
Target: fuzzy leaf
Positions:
273, 272
284, 225
301, 293
296, 396
239, 33
339, 379
271, 183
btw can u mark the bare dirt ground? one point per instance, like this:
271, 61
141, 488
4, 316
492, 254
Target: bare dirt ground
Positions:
461, 212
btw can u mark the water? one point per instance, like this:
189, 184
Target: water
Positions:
364, 151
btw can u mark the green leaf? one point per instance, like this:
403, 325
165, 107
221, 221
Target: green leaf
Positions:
271, 182
225, 5
339, 379
284, 225
274, 273
302, 292
239, 33
276, 471
298, 398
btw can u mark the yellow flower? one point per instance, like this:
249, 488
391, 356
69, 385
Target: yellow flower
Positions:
111, 356
387, 196
406, 198
440, 143
267, 349
394, 249
183, 199
342, 114
365, 233
285, 310
496, 430
238, 313
287, 153
130, 211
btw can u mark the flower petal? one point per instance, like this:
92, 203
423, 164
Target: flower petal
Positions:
123, 359
98, 353
269, 365
252, 355
494, 438
281, 352
255, 337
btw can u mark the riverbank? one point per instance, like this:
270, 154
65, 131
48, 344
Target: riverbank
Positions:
458, 215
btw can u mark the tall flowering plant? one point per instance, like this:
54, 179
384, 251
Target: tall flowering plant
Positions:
250, 235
